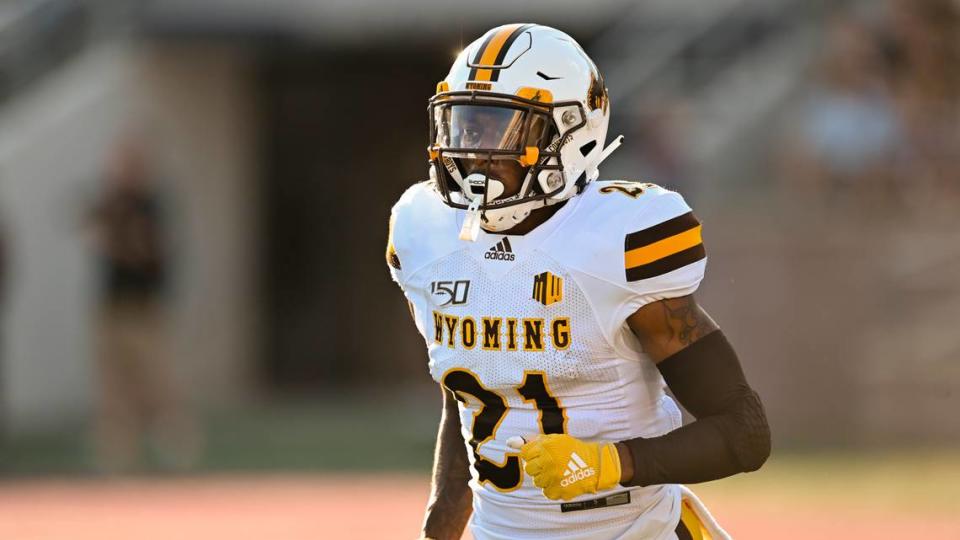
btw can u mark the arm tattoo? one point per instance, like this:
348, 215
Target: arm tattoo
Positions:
450, 502
686, 320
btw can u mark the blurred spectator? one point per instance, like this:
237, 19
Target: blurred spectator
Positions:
883, 122
137, 388
924, 44
4, 262
657, 133
848, 133
4, 272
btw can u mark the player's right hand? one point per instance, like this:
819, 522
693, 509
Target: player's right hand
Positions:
565, 467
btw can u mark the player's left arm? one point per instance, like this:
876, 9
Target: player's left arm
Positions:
663, 256
730, 434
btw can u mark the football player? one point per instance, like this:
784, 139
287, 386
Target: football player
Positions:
556, 309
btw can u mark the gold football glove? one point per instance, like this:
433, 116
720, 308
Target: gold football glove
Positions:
565, 467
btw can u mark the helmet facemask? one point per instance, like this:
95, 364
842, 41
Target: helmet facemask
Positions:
531, 72
476, 136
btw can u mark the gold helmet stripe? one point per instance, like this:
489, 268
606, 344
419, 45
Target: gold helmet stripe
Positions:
493, 50
502, 55
479, 55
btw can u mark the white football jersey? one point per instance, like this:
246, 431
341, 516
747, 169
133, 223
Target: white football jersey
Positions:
529, 332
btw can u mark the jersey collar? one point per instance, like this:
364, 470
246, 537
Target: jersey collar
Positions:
499, 253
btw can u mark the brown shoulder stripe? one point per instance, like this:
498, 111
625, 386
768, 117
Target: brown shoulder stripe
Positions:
663, 248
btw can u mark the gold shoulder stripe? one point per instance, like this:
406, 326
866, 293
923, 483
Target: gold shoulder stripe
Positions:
663, 248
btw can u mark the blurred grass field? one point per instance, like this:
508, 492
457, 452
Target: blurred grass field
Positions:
338, 432
353, 468
895, 482
880, 496
843, 494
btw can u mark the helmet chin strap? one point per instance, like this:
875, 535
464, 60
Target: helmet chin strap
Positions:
497, 219
490, 220
506, 218
501, 219
487, 189
471, 222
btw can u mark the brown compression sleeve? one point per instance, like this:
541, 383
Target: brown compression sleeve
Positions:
730, 434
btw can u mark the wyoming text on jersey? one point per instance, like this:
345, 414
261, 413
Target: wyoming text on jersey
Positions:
528, 334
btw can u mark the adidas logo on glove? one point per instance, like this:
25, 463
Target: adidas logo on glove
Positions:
576, 470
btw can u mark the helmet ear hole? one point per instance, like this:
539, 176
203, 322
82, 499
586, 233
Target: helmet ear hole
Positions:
587, 148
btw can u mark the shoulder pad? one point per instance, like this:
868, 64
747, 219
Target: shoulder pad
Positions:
630, 244
422, 229
637, 236
664, 237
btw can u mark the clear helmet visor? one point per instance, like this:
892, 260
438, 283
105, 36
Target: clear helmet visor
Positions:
488, 127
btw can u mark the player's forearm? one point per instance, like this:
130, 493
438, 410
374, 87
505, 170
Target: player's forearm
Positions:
697, 452
730, 435
450, 501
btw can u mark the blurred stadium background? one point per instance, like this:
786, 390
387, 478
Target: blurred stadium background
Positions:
818, 140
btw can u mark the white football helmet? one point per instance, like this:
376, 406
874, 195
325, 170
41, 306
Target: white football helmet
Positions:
523, 95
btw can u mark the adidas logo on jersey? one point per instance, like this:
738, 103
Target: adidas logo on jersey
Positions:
576, 470
500, 252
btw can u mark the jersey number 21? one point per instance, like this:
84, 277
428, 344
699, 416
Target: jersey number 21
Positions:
505, 476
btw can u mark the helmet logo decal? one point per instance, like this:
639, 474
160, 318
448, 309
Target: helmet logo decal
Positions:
472, 85
597, 92
488, 61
